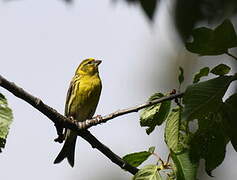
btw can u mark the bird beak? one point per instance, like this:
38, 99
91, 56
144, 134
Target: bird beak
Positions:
97, 62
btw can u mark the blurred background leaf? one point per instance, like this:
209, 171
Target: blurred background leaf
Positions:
188, 13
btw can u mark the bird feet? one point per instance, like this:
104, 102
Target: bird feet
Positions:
60, 138
61, 135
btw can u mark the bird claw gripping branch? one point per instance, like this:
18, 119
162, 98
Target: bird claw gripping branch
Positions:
60, 133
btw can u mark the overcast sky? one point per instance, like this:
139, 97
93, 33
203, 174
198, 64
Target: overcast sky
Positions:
42, 43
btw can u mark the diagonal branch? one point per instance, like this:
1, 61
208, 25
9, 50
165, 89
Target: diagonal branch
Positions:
57, 118
80, 127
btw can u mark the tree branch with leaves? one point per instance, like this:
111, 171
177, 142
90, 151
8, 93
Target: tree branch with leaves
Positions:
202, 101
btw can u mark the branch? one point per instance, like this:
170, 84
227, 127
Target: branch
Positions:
231, 55
57, 118
80, 127
92, 122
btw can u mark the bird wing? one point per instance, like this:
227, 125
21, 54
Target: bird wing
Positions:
70, 93
82, 97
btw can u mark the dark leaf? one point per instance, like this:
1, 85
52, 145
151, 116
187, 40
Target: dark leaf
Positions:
204, 97
209, 142
149, 7
190, 13
229, 114
203, 72
213, 42
221, 70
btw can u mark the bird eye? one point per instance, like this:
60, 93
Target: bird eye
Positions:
90, 62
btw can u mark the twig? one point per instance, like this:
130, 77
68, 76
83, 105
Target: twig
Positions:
80, 127
231, 55
92, 122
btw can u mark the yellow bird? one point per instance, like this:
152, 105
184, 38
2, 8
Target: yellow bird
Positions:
81, 102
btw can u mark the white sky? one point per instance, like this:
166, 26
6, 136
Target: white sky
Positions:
41, 44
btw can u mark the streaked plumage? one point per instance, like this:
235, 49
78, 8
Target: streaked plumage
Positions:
81, 102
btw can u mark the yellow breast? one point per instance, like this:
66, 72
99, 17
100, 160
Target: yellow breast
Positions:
87, 96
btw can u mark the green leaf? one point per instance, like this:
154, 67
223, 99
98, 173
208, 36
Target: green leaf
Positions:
151, 149
184, 168
172, 128
221, 70
149, 172
209, 142
203, 72
5, 120
181, 75
204, 97
229, 120
137, 158
154, 115
213, 42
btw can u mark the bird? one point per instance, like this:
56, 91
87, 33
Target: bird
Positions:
81, 102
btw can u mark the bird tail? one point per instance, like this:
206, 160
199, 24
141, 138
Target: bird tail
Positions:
68, 149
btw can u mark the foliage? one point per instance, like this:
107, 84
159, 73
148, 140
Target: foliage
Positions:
148, 7
5, 120
172, 130
202, 101
183, 167
221, 70
137, 158
155, 115
189, 13
149, 172
204, 97
203, 72
213, 42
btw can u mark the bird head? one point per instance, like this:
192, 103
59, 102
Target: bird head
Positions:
88, 67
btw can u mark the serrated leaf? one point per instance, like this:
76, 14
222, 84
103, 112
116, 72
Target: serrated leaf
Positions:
149, 172
137, 158
204, 97
184, 168
154, 115
213, 42
203, 72
181, 75
5, 120
172, 130
229, 120
221, 70
209, 142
